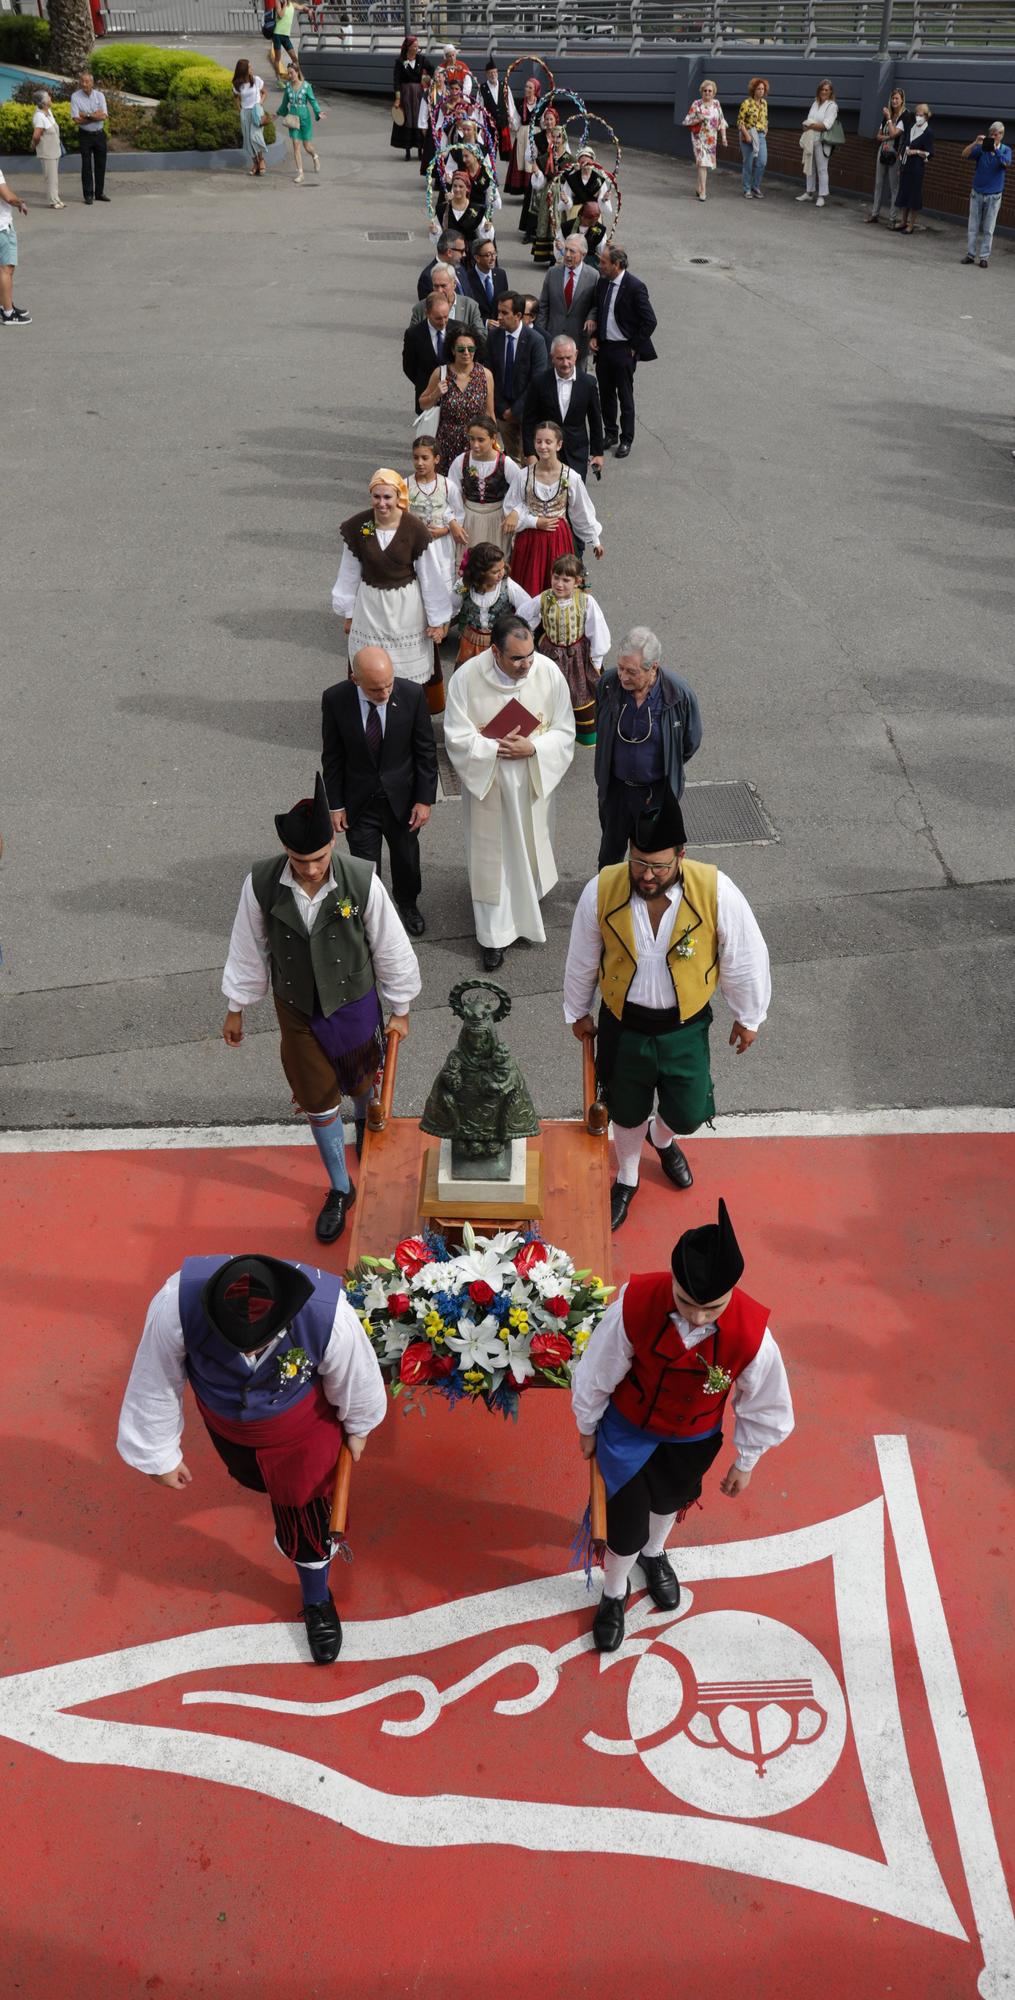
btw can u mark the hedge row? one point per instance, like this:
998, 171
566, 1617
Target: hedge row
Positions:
24, 39
16, 127
153, 72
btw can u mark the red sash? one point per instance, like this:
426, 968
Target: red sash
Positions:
296, 1452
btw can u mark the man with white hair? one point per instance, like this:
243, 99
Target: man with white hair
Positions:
993, 158
560, 395
569, 289
462, 308
647, 728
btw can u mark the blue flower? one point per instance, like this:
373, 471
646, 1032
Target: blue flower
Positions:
449, 1306
501, 1306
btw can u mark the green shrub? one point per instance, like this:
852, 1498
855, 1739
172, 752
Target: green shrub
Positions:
206, 81
202, 127
146, 70
16, 127
24, 39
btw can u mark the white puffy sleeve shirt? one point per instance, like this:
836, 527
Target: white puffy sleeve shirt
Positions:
430, 576
247, 974
745, 978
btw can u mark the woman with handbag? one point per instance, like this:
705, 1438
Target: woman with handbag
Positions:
248, 91
458, 394
918, 149
891, 143
815, 142
297, 103
47, 147
708, 124
408, 91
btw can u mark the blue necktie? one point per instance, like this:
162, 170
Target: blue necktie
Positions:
488, 282
509, 365
440, 347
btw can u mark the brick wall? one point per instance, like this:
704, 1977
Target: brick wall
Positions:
946, 183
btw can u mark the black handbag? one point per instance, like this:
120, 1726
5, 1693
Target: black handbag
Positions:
889, 154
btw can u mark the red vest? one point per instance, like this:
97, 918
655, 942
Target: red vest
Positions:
664, 1389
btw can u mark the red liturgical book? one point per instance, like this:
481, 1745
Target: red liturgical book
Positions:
512, 716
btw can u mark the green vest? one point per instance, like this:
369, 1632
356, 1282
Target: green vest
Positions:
335, 957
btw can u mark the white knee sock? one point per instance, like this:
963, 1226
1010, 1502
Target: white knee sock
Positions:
616, 1570
659, 1526
627, 1144
659, 1133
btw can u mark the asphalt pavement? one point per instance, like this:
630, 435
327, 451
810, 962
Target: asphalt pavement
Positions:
816, 518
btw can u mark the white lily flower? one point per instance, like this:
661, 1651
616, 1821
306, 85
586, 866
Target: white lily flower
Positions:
395, 1338
486, 1265
375, 1298
478, 1346
519, 1360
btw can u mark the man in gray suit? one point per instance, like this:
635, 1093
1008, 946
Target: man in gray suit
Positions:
462, 308
567, 297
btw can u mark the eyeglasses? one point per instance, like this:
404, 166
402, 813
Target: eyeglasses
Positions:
650, 867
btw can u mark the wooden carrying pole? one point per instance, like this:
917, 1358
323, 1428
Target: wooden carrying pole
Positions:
597, 1118
340, 1498
379, 1107
597, 1502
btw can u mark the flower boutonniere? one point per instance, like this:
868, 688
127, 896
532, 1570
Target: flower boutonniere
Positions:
683, 947
368, 528
347, 909
717, 1380
294, 1367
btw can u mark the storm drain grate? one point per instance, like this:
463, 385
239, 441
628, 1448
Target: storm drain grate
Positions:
726, 814
701, 260
388, 235
450, 782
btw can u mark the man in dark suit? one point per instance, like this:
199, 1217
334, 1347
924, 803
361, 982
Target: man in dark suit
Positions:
622, 329
568, 294
514, 357
450, 250
570, 400
380, 770
484, 281
428, 341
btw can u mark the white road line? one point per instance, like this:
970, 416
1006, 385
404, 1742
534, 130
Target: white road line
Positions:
887, 1123
956, 1748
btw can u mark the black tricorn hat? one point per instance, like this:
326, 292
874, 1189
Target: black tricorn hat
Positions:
250, 1298
307, 826
707, 1262
654, 831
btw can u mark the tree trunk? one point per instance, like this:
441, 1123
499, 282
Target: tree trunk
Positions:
72, 36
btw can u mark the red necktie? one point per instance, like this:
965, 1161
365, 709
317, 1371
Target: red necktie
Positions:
568, 290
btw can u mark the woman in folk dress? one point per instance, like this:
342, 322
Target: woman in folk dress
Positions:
407, 94
516, 180
708, 124
552, 492
390, 588
430, 502
486, 488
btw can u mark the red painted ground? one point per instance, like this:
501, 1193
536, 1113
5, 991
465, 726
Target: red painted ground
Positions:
885, 1264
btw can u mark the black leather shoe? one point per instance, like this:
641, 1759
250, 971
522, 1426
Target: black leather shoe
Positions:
623, 449
662, 1580
361, 1132
324, 1631
331, 1221
621, 1197
610, 439
102, 197
674, 1165
608, 1624
413, 920
491, 957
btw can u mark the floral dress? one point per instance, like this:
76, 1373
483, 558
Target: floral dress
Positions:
458, 409
706, 122
299, 100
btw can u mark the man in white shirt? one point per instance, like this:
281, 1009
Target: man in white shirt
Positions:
321, 929
88, 110
648, 1397
10, 314
657, 934
280, 1366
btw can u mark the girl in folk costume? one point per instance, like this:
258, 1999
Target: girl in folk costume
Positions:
707, 122
391, 590
552, 491
486, 591
649, 1395
486, 488
517, 177
574, 634
429, 502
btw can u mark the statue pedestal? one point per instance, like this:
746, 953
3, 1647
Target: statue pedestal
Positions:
507, 1186
497, 1209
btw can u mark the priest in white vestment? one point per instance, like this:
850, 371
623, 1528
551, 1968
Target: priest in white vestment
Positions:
508, 785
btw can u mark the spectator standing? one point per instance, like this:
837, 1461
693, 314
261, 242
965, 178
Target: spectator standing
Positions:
47, 147
919, 149
408, 90
248, 91
993, 158
891, 142
282, 38
624, 325
822, 115
648, 727
752, 124
10, 314
707, 123
297, 103
89, 112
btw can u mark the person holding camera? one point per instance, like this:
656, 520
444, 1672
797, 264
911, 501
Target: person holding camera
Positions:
891, 141
993, 158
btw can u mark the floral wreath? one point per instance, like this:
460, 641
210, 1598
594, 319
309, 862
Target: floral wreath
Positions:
437, 166
578, 112
562, 173
504, 1314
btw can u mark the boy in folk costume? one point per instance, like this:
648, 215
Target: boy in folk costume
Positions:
280, 1366
649, 1396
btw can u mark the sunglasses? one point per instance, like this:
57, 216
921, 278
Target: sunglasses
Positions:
463, 347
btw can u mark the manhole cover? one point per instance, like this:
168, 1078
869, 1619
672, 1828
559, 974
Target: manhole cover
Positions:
701, 260
388, 235
726, 814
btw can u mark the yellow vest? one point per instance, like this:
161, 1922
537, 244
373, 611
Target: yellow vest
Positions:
694, 977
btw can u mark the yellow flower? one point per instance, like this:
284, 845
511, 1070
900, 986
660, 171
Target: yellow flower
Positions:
519, 1319
474, 1380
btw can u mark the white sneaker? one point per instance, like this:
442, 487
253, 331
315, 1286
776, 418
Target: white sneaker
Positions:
820, 203
805, 197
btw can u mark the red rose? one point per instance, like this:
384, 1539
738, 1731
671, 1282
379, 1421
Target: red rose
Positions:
417, 1362
481, 1293
558, 1307
550, 1350
398, 1303
529, 1255
411, 1255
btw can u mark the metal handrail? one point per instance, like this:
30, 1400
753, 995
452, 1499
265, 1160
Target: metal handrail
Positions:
904, 27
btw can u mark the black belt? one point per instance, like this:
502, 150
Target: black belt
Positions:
650, 1020
642, 784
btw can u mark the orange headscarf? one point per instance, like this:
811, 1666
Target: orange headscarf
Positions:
384, 476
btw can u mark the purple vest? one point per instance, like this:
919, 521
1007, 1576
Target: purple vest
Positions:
218, 1373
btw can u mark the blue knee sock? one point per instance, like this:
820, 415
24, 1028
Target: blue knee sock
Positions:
313, 1582
330, 1142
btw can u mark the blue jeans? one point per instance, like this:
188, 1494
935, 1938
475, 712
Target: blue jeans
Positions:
754, 163
982, 218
